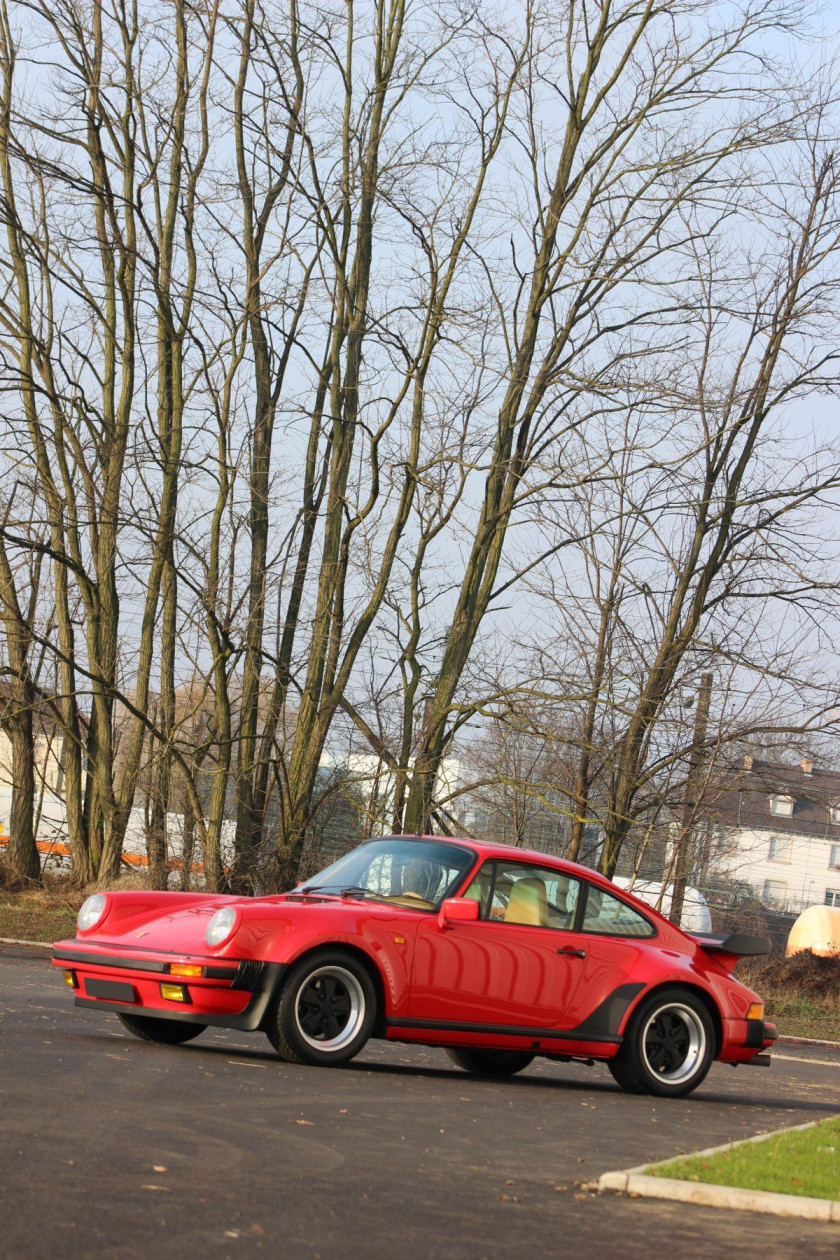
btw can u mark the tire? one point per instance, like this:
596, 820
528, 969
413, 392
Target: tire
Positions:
491, 1062
167, 1032
668, 1047
623, 1075
325, 1012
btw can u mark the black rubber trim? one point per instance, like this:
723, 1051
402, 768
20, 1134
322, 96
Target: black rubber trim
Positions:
105, 960
211, 971
758, 1033
248, 975
606, 1018
505, 1030
248, 1020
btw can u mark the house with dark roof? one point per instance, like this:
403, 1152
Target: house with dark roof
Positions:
777, 827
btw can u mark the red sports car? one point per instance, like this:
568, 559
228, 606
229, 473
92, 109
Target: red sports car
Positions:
495, 953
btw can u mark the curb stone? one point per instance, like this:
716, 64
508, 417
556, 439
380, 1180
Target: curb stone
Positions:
636, 1181
809, 1041
7, 940
721, 1196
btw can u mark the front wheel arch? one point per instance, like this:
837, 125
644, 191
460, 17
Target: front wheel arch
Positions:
366, 961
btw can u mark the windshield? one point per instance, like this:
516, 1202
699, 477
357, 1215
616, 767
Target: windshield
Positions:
418, 873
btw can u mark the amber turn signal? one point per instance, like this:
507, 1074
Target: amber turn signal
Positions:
190, 971
756, 1011
69, 979
174, 993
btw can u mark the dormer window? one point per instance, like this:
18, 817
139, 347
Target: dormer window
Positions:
834, 812
781, 805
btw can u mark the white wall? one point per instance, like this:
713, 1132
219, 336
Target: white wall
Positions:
745, 855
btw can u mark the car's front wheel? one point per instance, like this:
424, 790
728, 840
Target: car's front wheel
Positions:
169, 1032
325, 1012
491, 1062
668, 1047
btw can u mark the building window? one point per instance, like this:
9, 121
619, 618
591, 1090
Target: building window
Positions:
834, 812
832, 897
775, 890
781, 849
781, 806
834, 860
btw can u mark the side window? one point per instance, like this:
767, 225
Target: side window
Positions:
611, 917
514, 892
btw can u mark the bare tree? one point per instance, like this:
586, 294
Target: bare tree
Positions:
324, 332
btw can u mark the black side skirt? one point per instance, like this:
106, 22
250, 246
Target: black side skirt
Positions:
601, 1026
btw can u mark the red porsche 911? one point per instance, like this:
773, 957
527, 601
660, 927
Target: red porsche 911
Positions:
494, 953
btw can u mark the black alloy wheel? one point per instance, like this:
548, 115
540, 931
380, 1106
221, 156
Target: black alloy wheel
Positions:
668, 1047
326, 1010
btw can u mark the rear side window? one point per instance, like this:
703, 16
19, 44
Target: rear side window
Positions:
611, 917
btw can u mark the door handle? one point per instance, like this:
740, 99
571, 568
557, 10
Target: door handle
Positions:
571, 952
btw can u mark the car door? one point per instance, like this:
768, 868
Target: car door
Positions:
612, 947
515, 968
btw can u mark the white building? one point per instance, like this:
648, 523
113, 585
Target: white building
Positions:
777, 828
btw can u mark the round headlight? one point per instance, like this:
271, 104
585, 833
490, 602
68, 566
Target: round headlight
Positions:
92, 912
220, 927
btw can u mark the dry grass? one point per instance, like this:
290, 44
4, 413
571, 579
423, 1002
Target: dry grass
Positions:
802, 993
48, 913
42, 914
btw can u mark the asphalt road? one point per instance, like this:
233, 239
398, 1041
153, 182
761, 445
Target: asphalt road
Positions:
113, 1147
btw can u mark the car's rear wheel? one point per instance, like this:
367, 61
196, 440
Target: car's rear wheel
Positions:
326, 1010
169, 1032
668, 1047
491, 1062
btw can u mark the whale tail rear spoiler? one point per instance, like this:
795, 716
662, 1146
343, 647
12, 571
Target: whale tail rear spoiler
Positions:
736, 945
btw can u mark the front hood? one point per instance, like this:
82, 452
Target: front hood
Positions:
176, 923
180, 931
169, 922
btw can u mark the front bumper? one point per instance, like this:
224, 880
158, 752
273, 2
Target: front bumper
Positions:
229, 993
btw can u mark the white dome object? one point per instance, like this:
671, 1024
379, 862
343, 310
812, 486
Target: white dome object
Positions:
817, 929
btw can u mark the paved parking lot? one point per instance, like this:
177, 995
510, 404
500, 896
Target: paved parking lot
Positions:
113, 1147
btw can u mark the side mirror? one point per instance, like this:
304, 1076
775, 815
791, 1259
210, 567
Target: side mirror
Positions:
458, 910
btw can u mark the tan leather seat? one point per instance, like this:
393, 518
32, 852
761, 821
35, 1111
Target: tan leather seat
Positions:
528, 903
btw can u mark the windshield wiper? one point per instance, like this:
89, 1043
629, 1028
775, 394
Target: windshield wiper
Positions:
352, 890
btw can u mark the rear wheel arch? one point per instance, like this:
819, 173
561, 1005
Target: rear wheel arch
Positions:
696, 991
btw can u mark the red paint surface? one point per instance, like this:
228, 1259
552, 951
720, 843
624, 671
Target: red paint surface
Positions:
479, 972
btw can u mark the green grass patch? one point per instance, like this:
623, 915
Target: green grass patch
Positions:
805, 1162
38, 916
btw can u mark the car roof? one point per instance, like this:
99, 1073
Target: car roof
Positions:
512, 853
